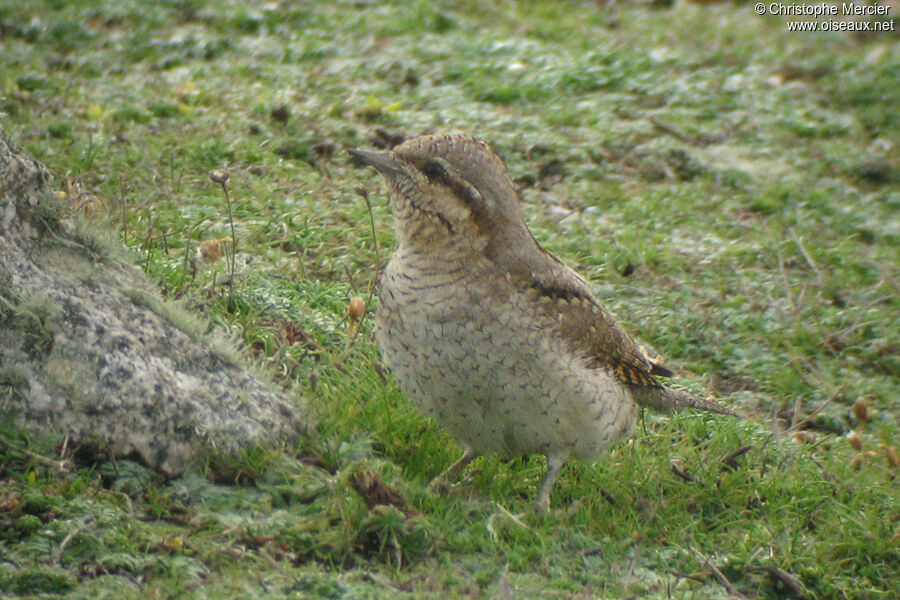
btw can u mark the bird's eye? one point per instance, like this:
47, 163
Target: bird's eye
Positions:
435, 170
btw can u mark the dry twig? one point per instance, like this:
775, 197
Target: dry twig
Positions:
364, 193
818, 409
716, 573
60, 466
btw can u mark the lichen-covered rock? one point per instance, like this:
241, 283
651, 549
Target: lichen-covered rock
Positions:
89, 350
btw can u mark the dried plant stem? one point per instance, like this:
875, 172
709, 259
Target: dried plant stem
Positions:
233, 245
60, 466
361, 191
723, 581
221, 177
124, 209
818, 409
56, 559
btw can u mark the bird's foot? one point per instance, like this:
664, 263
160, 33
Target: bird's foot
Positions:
542, 500
441, 484
542, 506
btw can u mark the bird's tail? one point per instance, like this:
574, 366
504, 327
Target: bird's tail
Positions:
665, 399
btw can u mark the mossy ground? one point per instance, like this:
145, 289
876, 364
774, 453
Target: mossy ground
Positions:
731, 189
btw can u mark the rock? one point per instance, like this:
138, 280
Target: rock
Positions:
89, 350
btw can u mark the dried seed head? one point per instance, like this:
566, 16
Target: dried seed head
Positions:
355, 309
861, 458
855, 440
862, 409
361, 191
890, 452
209, 251
805, 437
219, 176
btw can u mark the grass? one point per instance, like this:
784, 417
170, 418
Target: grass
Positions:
730, 189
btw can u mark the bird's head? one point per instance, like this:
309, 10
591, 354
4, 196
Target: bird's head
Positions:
449, 190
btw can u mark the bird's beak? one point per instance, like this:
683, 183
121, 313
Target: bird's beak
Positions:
384, 162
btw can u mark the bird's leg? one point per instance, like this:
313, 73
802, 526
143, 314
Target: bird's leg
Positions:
440, 482
555, 464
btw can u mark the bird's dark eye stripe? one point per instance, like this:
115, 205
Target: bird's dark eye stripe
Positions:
438, 170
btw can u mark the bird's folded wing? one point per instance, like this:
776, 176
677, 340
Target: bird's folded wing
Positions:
590, 329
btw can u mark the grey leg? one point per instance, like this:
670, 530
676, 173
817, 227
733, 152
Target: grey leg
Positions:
554, 466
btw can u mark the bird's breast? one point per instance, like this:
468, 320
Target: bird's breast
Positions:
475, 356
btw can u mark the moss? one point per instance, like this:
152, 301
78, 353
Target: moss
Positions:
7, 307
131, 114
66, 375
238, 467
38, 503
14, 384
175, 316
30, 83
164, 110
98, 242
293, 150
225, 349
38, 580
60, 130
48, 214
196, 328
37, 317
26, 525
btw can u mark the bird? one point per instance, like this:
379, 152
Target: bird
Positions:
490, 334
